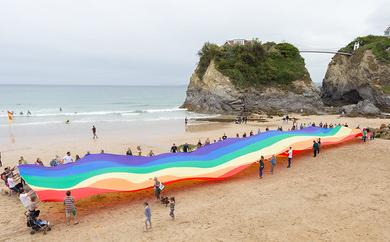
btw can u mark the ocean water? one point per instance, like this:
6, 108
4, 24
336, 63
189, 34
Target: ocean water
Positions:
91, 104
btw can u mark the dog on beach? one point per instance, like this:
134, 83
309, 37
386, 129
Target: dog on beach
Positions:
164, 201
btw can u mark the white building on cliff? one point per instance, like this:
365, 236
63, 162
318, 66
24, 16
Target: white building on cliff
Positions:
237, 42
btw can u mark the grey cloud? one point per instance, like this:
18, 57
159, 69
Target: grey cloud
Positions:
155, 42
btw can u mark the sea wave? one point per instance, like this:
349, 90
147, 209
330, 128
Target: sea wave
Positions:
92, 121
98, 113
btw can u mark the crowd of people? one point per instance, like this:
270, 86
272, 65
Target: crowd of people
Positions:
16, 184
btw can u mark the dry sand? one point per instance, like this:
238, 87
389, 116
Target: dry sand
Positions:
342, 195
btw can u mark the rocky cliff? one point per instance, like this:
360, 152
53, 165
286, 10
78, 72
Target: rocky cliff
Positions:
363, 78
211, 91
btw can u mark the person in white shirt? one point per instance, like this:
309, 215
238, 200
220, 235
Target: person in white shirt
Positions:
28, 203
12, 185
67, 159
24, 197
290, 155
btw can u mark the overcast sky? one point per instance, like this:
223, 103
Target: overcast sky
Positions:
155, 42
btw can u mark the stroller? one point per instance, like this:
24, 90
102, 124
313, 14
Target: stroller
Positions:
35, 223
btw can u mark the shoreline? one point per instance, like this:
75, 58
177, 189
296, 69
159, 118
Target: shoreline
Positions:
226, 209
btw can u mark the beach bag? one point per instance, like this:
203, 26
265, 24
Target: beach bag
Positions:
161, 187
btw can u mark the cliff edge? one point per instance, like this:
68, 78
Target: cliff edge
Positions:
253, 78
362, 78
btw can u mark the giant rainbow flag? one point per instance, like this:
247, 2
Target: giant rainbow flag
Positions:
104, 173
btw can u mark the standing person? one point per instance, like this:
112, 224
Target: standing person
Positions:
128, 152
156, 188
289, 158
94, 132
261, 166
315, 148
55, 161
67, 159
174, 148
1, 164
186, 148
319, 145
364, 137
273, 163
28, 204
22, 161
148, 216
139, 150
39, 162
151, 153
186, 121
70, 208
172, 207
199, 144
207, 142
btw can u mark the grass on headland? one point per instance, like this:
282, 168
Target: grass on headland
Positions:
379, 45
254, 63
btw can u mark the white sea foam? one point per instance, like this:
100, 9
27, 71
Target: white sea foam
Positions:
97, 113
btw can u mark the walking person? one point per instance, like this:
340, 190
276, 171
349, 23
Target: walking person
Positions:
273, 164
315, 148
261, 167
70, 208
172, 204
289, 158
148, 216
94, 132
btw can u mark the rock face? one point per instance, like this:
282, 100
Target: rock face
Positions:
351, 79
215, 93
366, 108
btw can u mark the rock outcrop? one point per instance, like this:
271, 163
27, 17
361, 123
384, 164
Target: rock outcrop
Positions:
216, 93
365, 108
352, 79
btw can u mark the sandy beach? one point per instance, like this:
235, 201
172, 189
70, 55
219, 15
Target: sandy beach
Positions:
342, 195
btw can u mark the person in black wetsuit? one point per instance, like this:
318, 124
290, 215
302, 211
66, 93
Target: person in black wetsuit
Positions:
186, 148
173, 148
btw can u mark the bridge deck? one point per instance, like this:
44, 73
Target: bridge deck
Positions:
325, 52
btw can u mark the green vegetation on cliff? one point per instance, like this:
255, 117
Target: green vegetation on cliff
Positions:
254, 63
379, 45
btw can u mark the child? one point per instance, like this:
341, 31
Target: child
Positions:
70, 208
148, 216
172, 207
